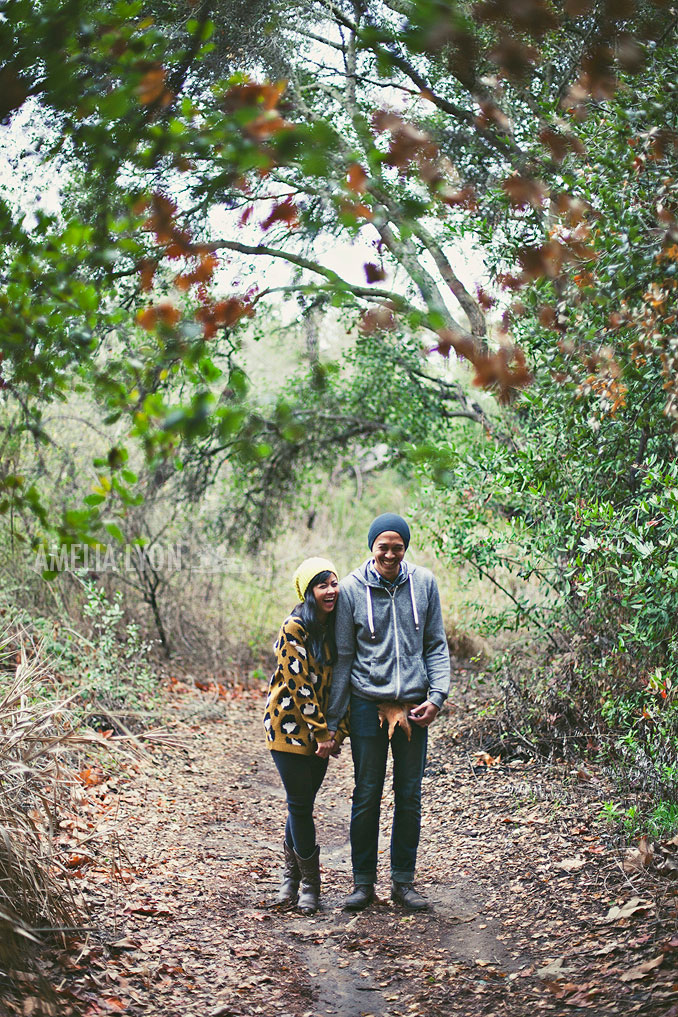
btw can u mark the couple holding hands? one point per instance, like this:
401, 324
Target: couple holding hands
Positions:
373, 653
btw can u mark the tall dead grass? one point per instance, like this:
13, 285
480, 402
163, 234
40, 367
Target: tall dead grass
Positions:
34, 738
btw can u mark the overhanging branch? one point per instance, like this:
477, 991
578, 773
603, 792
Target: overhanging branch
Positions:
337, 282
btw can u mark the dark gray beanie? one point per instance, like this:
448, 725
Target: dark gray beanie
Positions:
388, 521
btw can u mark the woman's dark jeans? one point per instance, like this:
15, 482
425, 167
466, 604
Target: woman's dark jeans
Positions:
369, 747
301, 777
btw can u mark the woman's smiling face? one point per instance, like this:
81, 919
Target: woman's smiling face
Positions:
326, 594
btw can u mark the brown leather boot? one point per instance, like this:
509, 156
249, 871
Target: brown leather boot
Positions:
309, 891
289, 888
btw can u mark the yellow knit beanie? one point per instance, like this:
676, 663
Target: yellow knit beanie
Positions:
309, 568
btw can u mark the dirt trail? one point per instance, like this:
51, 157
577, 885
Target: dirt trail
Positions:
511, 861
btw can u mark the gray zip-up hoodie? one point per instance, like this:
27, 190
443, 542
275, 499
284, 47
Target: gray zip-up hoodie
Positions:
391, 642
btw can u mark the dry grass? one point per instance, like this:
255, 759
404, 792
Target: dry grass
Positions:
34, 736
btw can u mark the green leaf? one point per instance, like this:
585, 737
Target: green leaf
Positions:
114, 530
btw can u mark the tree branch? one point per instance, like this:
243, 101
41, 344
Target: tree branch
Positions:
337, 281
468, 304
501, 143
404, 252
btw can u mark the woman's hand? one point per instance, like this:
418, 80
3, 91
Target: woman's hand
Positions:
326, 749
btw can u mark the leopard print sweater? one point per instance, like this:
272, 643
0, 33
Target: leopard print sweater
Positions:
294, 718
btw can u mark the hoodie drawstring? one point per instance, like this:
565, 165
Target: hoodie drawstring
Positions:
370, 615
370, 611
414, 603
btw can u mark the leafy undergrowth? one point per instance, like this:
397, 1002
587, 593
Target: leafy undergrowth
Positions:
533, 704
176, 857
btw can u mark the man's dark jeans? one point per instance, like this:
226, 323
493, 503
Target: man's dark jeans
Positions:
369, 747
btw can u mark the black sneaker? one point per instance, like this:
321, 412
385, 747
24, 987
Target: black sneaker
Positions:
405, 894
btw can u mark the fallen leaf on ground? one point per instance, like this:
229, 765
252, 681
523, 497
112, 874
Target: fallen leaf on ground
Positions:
639, 857
643, 969
556, 969
631, 907
571, 864
485, 759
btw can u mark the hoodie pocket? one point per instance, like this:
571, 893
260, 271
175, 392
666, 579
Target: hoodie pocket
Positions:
413, 676
382, 670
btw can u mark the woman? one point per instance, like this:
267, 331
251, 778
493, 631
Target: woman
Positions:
294, 721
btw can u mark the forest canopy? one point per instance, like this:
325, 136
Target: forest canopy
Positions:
210, 157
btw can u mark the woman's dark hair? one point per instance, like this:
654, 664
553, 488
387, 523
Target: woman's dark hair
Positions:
318, 634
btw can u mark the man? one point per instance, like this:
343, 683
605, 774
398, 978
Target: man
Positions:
392, 650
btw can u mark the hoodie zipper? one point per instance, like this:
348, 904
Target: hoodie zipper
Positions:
397, 641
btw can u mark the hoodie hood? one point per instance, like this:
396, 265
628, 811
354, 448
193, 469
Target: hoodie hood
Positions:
368, 575
370, 579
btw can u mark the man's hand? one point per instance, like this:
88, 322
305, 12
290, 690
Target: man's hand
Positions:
326, 749
424, 714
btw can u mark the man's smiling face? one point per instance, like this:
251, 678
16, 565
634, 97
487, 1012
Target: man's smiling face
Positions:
388, 550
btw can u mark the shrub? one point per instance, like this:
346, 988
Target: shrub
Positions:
34, 736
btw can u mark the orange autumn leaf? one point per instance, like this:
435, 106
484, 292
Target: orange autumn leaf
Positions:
286, 212
223, 314
147, 318
545, 261
266, 125
164, 313
524, 191
152, 87
535, 17
180, 247
547, 316
161, 219
252, 94
182, 282
140, 206
264, 97
205, 268
451, 340
91, 776
75, 861
147, 269
115, 1003
227, 312
505, 370
356, 178
560, 143
162, 222
202, 273
457, 197
357, 210
515, 59
168, 314
485, 299
395, 715
492, 116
